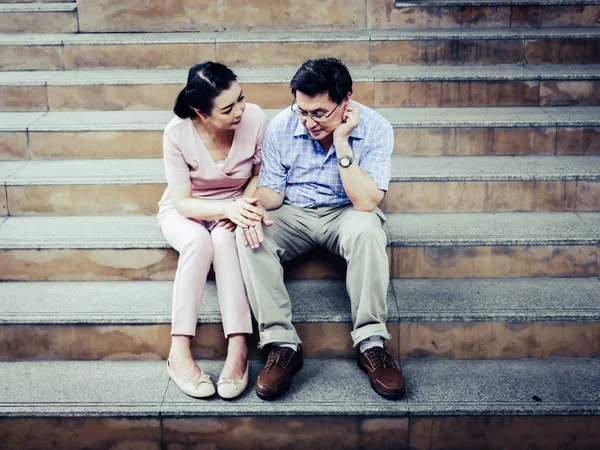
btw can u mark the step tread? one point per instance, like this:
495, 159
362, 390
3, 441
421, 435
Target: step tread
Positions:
414, 229
149, 302
37, 7
404, 169
335, 387
411, 300
509, 299
488, 229
517, 117
377, 73
295, 36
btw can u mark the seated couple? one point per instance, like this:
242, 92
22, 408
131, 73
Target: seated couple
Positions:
246, 197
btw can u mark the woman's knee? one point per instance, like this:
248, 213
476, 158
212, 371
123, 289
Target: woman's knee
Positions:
197, 243
222, 237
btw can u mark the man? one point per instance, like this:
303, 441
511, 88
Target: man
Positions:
325, 168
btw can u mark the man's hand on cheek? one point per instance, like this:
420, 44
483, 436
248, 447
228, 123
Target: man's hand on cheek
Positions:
350, 120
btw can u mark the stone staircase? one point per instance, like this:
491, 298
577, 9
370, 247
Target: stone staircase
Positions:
494, 224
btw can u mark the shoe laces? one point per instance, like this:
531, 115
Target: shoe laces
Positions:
204, 378
225, 380
379, 356
279, 356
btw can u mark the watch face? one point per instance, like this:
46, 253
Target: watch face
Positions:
345, 161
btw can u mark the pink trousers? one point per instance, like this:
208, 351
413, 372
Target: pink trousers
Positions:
198, 248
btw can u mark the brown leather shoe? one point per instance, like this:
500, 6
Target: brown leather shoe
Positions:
386, 378
276, 378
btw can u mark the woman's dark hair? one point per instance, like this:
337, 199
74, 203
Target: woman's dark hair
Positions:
205, 82
317, 76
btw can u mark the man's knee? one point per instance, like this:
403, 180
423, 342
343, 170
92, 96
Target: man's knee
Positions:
358, 225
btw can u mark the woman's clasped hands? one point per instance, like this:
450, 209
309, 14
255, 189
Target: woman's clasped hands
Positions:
249, 215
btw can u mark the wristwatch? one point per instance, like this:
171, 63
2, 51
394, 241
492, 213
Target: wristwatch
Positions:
345, 160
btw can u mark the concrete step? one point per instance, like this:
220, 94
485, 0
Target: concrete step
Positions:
290, 49
419, 184
420, 245
127, 15
486, 13
548, 404
38, 18
377, 86
418, 132
37, 1
440, 318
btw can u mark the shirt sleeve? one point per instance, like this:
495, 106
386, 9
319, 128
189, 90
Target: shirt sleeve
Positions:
261, 134
176, 169
377, 158
272, 172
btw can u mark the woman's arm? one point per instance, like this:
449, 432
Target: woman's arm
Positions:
239, 212
253, 183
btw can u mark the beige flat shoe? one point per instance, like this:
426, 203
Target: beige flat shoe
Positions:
229, 389
201, 388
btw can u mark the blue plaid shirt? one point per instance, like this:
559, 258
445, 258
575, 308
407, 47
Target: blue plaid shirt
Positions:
294, 162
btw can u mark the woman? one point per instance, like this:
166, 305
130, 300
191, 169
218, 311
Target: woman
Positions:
212, 160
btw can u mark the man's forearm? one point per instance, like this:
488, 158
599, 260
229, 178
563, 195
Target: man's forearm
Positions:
359, 186
268, 198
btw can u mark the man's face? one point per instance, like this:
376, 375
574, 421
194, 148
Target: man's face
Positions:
320, 104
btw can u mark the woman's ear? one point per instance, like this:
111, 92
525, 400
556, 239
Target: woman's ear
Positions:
199, 113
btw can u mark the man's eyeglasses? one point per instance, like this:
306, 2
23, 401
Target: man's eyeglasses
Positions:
316, 117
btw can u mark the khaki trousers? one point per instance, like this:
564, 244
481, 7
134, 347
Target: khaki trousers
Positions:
357, 236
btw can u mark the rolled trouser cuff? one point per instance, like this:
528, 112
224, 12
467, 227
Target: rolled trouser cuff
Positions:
366, 331
287, 336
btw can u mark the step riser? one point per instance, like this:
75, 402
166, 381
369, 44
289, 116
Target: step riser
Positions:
497, 196
405, 262
497, 141
516, 16
39, 22
433, 94
16, 57
13, 146
495, 340
142, 199
506, 432
298, 432
432, 141
84, 200
478, 52
135, 264
494, 261
37, 1
125, 16
143, 342
456, 340
293, 54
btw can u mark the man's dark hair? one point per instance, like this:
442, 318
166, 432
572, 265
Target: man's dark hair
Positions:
317, 76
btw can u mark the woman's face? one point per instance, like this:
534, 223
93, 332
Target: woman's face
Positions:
228, 110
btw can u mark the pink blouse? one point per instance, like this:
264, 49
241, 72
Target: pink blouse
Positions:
187, 160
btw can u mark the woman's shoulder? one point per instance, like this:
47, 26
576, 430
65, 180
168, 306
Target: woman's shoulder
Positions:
177, 123
254, 113
254, 117
177, 127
